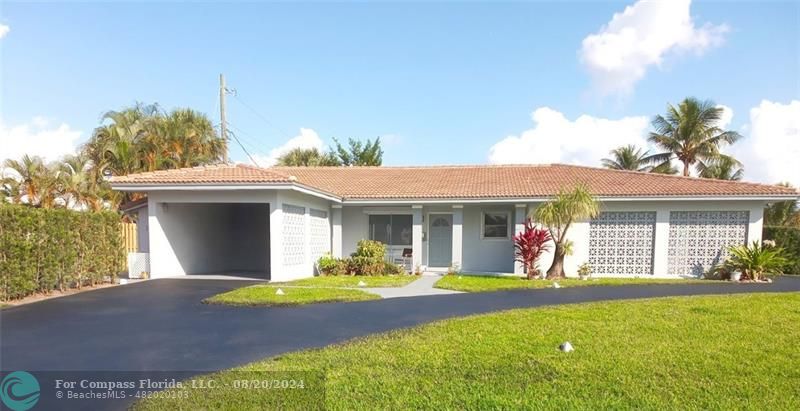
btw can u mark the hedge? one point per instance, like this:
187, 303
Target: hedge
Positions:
46, 249
789, 239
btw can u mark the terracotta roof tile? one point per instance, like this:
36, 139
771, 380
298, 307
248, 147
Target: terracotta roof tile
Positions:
215, 174
441, 182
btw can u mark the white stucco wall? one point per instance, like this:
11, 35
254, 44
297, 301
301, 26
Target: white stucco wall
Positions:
477, 255
579, 232
486, 255
283, 271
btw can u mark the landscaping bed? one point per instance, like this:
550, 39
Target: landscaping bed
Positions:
479, 283
706, 352
266, 295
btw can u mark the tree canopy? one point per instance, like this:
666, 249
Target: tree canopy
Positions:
690, 132
357, 153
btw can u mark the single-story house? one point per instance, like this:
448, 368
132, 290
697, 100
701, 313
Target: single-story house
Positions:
276, 222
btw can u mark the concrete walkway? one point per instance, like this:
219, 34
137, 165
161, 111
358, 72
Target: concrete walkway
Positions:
421, 287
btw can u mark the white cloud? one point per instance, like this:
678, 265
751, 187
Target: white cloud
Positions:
619, 55
38, 137
771, 151
308, 138
556, 139
727, 116
4, 30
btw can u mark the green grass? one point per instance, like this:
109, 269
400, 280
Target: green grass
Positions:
264, 295
352, 281
709, 352
477, 283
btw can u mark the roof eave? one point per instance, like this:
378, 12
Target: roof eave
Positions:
146, 187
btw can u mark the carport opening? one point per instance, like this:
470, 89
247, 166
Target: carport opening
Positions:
220, 238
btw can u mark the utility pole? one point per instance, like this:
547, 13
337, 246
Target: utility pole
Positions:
223, 126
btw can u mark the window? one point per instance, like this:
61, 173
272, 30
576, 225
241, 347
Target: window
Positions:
495, 224
390, 229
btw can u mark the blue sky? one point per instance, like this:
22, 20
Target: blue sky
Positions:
443, 83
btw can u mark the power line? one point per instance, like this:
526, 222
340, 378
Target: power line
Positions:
266, 120
245, 137
243, 149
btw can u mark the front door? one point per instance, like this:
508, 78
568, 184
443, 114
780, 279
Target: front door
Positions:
440, 244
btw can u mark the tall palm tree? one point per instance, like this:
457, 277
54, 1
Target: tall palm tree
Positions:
559, 214
690, 133
634, 158
721, 168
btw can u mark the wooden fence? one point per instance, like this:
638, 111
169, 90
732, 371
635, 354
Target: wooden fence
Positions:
129, 237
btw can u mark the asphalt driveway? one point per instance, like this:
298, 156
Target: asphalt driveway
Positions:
162, 324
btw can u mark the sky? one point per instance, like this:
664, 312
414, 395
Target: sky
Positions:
440, 83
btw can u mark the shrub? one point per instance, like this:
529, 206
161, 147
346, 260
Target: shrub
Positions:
755, 261
394, 269
529, 246
370, 249
366, 266
327, 264
46, 249
585, 270
787, 238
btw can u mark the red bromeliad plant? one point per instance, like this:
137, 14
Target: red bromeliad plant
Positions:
529, 246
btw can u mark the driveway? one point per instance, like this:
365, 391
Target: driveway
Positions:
162, 324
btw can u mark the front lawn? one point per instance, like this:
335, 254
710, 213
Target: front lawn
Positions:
265, 295
353, 280
709, 352
477, 283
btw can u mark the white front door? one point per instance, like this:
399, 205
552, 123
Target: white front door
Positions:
440, 243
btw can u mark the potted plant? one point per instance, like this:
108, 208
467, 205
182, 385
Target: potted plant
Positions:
754, 262
584, 271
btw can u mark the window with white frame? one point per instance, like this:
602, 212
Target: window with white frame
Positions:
495, 224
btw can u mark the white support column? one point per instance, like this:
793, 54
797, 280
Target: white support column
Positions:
416, 236
458, 221
336, 231
756, 223
520, 214
661, 243
276, 241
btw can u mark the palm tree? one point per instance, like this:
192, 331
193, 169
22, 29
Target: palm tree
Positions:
689, 132
31, 181
308, 157
559, 214
145, 138
79, 188
632, 158
721, 168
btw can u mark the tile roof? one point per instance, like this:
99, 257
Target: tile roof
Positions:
442, 182
214, 174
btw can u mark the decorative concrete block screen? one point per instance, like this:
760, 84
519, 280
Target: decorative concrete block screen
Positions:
320, 233
700, 239
294, 234
622, 243
138, 263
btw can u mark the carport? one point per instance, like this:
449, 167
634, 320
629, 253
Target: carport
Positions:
216, 238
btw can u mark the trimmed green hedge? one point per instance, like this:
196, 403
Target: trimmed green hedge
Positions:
789, 239
46, 249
